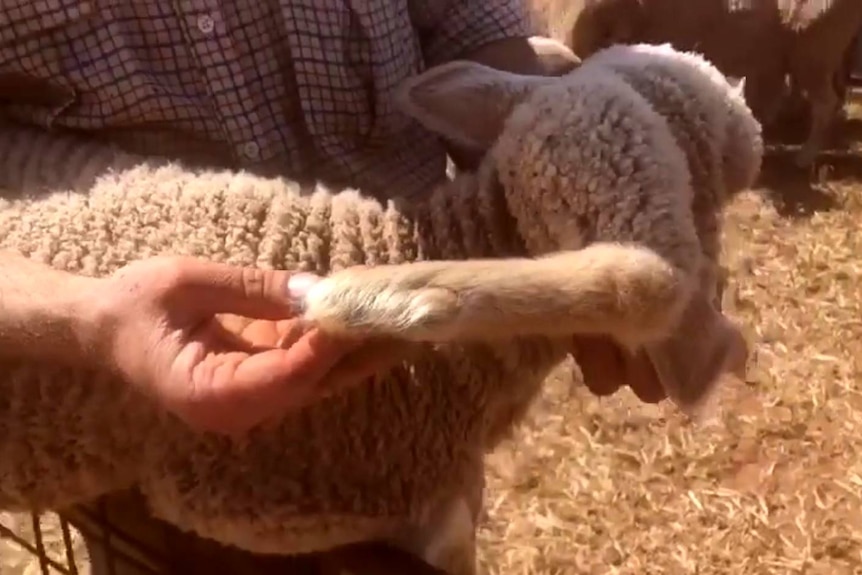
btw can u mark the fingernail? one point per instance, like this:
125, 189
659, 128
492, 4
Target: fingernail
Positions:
298, 286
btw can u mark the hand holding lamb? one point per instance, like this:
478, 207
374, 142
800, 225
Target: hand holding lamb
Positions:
163, 323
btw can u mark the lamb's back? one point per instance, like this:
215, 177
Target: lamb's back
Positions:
708, 119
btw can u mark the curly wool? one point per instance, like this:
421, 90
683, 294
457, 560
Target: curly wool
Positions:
581, 159
707, 124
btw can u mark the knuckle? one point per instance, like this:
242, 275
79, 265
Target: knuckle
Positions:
158, 277
167, 274
256, 283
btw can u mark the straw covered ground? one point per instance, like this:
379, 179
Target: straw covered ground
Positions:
772, 485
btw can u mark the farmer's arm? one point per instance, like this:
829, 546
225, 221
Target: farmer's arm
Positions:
491, 32
44, 313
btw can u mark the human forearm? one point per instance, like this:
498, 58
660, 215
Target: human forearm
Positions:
46, 314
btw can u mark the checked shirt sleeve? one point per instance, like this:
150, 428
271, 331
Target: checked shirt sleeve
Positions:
450, 28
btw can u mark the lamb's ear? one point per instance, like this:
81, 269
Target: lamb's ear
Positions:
737, 85
465, 102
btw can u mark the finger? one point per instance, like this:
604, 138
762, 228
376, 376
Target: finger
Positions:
283, 334
372, 359
223, 332
276, 380
642, 378
601, 362
261, 333
290, 334
206, 288
230, 333
233, 323
267, 333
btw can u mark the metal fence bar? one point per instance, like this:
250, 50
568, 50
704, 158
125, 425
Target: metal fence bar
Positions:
46, 563
67, 545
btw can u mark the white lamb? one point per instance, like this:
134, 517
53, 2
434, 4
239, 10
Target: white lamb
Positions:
573, 163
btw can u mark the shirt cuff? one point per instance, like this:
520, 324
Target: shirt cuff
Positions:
470, 24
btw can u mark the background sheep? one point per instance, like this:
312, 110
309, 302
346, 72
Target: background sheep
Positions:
705, 26
572, 162
820, 35
761, 40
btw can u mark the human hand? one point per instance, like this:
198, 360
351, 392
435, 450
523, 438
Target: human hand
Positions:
164, 328
685, 366
606, 368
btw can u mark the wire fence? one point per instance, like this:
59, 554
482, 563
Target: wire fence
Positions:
35, 547
116, 536
111, 537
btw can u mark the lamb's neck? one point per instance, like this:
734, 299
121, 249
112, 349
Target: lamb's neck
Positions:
461, 219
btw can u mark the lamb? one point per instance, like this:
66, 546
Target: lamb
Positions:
575, 165
771, 40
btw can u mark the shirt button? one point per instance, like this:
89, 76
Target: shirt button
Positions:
206, 24
251, 150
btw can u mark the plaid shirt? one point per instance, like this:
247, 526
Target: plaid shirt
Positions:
294, 87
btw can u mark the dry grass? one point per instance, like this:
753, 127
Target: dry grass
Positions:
772, 486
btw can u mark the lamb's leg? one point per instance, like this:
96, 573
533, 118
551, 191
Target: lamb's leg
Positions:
794, 104
705, 346
629, 293
445, 538
447, 541
823, 102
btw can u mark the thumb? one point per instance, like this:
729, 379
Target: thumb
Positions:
211, 288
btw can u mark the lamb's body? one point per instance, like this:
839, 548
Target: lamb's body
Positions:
148, 211
583, 159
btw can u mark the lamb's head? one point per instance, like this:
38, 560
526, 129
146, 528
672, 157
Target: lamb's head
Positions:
603, 23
